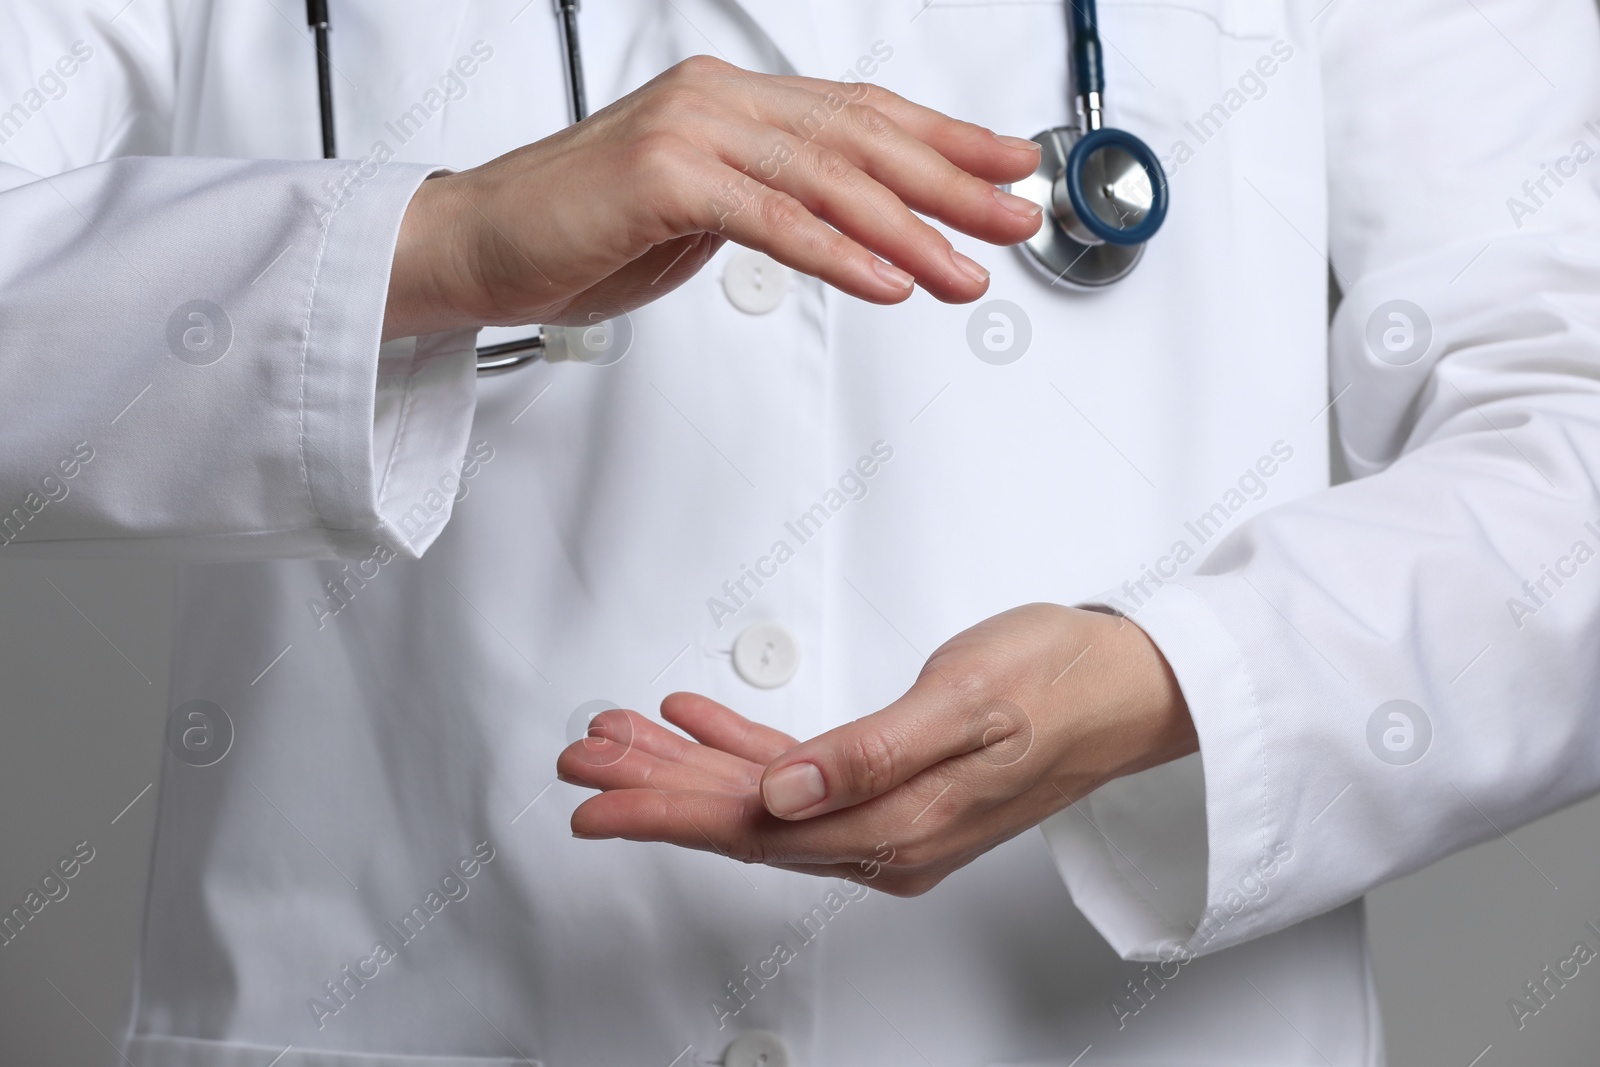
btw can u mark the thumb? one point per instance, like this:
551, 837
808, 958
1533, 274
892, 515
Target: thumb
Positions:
870, 756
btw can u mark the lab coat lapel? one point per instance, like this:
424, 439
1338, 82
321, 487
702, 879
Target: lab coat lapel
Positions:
790, 26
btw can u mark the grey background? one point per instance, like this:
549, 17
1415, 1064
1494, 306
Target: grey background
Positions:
83, 657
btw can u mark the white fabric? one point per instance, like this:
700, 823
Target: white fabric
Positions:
268, 451
1475, 474
391, 712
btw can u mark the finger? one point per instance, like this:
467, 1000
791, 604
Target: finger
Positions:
722, 728
733, 825
925, 830
914, 171
704, 820
601, 763
835, 190
612, 734
866, 758
928, 182
975, 149
919, 822
768, 220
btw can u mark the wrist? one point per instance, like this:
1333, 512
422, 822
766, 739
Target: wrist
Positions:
1137, 716
427, 258
1168, 729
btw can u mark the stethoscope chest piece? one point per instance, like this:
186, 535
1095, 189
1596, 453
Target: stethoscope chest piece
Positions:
1104, 196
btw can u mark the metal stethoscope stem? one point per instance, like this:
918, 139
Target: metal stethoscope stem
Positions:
509, 355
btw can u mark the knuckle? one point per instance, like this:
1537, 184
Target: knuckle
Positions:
698, 68
785, 216
872, 762
968, 683
868, 121
657, 150
831, 166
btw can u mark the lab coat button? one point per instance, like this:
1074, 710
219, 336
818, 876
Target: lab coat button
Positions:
758, 1048
766, 655
755, 282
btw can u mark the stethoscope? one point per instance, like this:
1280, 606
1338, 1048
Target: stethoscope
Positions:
1103, 190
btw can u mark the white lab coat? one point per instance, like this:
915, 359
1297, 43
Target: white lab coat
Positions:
408, 580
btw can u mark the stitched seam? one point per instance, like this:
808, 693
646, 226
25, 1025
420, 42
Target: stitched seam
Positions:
1261, 739
1255, 705
1261, 734
400, 430
305, 355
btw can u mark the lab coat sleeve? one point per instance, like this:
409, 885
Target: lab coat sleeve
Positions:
1393, 669
190, 363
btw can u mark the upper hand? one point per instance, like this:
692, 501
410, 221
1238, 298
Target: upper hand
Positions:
1008, 723
612, 212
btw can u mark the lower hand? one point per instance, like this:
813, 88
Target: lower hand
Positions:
1008, 723
618, 209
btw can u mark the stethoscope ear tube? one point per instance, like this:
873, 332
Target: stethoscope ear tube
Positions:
1087, 68
317, 19
577, 98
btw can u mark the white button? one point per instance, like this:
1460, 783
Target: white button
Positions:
758, 1048
766, 655
755, 282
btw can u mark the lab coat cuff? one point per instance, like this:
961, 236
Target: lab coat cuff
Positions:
383, 428
1178, 861
427, 390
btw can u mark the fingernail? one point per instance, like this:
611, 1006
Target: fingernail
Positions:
969, 268
1018, 142
793, 789
892, 274
1017, 205
592, 837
